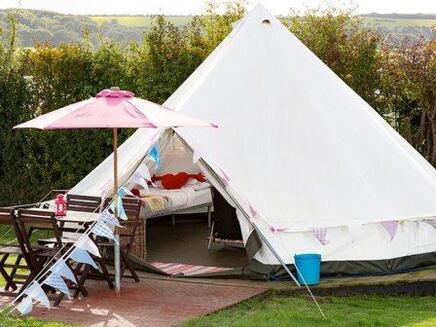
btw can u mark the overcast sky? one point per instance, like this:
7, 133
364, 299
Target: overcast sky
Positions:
184, 7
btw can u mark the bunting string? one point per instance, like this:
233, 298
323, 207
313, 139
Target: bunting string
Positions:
79, 251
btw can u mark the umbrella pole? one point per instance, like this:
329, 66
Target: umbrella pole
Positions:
117, 237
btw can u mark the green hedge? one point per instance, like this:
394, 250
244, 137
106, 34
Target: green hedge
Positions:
45, 78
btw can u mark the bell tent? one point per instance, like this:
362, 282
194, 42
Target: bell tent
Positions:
307, 164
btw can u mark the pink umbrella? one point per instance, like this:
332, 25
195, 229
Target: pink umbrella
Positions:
113, 109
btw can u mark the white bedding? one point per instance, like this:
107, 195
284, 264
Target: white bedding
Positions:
187, 196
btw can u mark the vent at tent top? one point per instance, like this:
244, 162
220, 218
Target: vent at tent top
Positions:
266, 21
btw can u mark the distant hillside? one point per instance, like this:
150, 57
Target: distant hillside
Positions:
43, 26
139, 20
401, 26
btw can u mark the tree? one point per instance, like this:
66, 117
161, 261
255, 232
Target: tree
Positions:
344, 44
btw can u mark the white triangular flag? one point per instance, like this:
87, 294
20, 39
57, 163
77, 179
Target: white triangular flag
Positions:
143, 172
56, 281
431, 222
25, 306
61, 268
196, 156
37, 293
139, 180
353, 233
85, 243
81, 256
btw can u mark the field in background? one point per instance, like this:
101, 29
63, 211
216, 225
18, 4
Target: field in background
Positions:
140, 21
399, 22
145, 21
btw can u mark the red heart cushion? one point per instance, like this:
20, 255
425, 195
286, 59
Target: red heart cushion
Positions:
173, 182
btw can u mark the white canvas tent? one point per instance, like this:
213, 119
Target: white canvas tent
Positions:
301, 151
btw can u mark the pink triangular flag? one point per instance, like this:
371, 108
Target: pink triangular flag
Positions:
320, 234
391, 227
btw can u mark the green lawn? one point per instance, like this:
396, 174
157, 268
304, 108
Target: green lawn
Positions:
359, 311
15, 321
276, 311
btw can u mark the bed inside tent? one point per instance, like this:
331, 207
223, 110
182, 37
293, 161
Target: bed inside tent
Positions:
188, 230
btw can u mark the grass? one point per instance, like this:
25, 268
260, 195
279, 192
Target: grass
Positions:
16, 321
359, 311
275, 310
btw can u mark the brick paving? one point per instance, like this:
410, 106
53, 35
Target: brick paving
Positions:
152, 302
162, 301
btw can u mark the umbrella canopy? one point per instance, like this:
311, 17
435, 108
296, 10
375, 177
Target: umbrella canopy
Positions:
112, 108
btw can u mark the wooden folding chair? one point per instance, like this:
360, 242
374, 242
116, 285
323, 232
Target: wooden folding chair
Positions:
127, 233
69, 226
86, 203
40, 255
83, 203
12, 250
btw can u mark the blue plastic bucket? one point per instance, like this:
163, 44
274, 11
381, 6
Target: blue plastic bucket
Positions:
308, 265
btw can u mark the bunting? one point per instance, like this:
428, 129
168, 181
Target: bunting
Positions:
390, 227
85, 243
109, 218
35, 292
61, 268
354, 232
431, 222
195, 156
81, 256
103, 230
56, 281
25, 306
121, 212
144, 172
123, 191
137, 179
154, 155
320, 234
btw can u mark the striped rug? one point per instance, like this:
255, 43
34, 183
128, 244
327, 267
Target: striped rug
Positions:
174, 269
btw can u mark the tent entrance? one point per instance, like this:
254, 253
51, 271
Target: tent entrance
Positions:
182, 249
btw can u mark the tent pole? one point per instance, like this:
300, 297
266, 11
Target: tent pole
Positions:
261, 235
117, 237
264, 239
